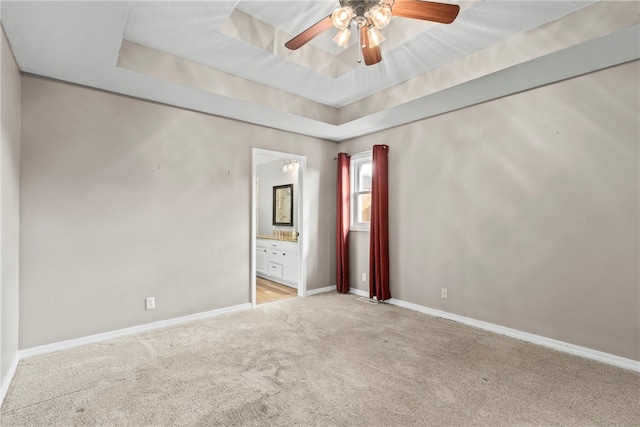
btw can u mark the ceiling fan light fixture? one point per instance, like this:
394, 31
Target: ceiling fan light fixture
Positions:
380, 16
342, 38
371, 16
341, 17
375, 37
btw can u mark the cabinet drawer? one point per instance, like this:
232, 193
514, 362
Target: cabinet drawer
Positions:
275, 270
274, 256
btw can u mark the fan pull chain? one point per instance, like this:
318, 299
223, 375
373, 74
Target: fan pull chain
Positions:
359, 46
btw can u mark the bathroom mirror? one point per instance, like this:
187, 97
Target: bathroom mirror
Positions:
283, 204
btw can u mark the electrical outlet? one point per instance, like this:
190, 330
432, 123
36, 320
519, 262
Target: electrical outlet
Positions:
150, 303
444, 294
364, 277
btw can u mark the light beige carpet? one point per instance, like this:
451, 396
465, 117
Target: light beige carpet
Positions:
325, 360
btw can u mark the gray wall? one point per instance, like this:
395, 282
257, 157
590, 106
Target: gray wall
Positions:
526, 208
269, 175
124, 199
9, 207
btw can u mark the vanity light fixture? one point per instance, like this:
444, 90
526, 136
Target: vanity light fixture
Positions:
289, 165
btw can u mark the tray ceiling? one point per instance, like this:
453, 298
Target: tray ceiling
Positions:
227, 58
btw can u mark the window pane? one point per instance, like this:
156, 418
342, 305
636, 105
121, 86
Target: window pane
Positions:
361, 171
364, 207
364, 178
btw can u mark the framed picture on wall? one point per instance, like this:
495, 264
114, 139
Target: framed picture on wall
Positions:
283, 204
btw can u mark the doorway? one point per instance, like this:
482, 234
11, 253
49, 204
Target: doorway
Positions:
278, 229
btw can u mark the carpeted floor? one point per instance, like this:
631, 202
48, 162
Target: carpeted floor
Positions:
325, 360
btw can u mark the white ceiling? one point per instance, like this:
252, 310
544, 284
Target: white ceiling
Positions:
235, 47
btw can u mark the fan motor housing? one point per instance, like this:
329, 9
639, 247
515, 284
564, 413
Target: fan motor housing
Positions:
360, 7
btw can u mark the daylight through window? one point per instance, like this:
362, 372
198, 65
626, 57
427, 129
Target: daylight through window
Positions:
361, 169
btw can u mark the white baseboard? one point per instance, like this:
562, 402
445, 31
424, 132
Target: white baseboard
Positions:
6, 381
64, 345
320, 290
577, 350
359, 292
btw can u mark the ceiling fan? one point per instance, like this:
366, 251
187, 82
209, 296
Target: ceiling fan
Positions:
369, 17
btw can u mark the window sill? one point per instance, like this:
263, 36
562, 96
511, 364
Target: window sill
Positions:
366, 229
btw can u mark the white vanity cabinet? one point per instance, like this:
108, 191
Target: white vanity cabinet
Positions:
282, 261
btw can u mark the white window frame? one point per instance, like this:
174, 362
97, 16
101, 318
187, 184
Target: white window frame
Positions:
354, 167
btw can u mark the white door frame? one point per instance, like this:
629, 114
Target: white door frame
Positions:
302, 223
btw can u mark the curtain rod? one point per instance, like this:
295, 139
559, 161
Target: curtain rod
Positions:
357, 154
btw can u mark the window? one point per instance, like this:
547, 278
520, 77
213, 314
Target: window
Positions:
360, 172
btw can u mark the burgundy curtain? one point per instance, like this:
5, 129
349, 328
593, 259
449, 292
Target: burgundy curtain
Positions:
342, 225
379, 234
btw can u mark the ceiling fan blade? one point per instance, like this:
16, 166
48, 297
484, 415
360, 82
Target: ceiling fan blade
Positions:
371, 55
310, 33
426, 10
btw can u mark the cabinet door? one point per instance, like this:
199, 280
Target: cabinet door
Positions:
261, 261
290, 267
